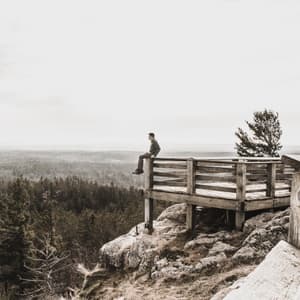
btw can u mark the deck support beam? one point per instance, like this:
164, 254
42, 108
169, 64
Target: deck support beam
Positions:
149, 206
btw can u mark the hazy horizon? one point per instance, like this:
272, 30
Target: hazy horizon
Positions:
180, 149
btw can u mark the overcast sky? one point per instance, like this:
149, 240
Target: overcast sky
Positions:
101, 74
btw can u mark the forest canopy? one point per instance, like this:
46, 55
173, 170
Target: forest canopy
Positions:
54, 224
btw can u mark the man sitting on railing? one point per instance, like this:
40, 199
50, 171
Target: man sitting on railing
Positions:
153, 152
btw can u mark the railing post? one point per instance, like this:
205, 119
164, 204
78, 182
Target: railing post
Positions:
271, 180
191, 188
149, 201
294, 230
191, 176
241, 183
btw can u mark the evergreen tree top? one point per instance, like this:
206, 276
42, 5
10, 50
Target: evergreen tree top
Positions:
263, 138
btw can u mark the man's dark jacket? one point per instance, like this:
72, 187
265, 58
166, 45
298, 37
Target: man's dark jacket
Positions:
154, 148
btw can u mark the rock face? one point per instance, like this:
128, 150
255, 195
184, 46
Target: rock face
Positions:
195, 268
264, 232
282, 267
137, 249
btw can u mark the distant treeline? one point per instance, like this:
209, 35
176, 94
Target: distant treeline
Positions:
103, 167
101, 172
53, 224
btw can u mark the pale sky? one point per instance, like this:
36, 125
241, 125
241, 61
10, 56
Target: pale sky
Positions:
102, 74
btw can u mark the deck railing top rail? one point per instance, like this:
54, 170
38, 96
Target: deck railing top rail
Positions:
231, 160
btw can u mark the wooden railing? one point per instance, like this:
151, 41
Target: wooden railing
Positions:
234, 184
232, 178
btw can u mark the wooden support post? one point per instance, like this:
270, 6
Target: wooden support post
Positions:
149, 214
239, 219
240, 194
271, 180
230, 218
294, 232
148, 201
190, 217
191, 188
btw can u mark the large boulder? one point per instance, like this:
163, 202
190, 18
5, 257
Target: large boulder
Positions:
137, 248
277, 277
264, 232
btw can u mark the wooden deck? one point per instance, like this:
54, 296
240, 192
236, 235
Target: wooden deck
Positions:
237, 184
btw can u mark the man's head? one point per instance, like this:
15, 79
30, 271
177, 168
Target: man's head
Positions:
151, 136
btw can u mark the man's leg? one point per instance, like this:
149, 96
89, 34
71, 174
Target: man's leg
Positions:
140, 167
141, 161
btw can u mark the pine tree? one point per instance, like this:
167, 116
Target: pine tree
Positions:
45, 261
14, 234
264, 137
45, 267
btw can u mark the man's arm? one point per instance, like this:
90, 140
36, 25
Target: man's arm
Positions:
155, 148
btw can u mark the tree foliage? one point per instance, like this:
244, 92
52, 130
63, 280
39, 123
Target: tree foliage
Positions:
14, 233
45, 268
48, 225
263, 138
